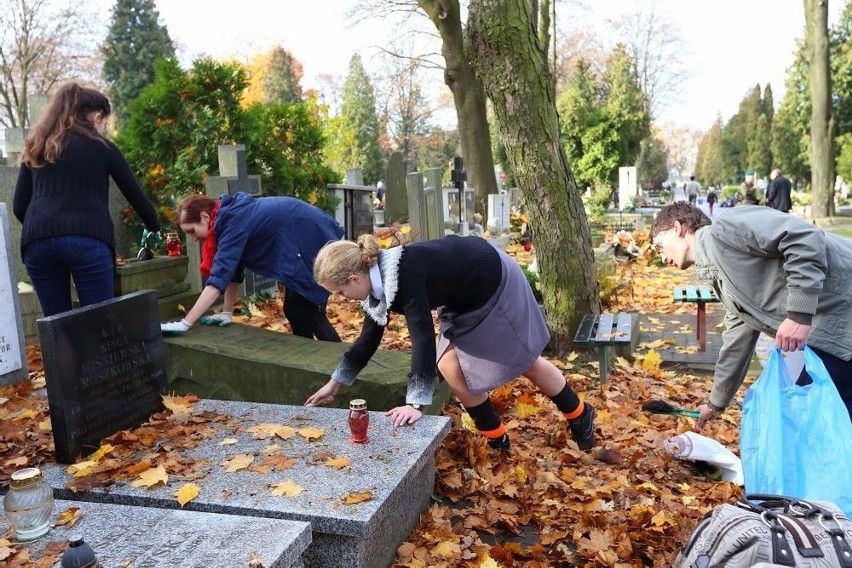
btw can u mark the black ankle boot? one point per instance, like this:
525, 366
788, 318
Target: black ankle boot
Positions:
502, 443
583, 428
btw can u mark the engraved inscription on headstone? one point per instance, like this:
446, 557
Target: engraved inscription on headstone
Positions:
105, 370
12, 358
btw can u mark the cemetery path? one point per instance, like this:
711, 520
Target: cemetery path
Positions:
626, 503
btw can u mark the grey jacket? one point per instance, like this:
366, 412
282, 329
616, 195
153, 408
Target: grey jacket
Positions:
764, 265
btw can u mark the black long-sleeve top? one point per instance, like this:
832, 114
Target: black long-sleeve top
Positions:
457, 273
71, 196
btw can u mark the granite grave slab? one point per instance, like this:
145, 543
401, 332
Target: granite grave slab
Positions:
393, 473
253, 364
13, 357
104, 366
143, 537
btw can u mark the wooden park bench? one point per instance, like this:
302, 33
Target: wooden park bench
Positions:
701, 295
605, 331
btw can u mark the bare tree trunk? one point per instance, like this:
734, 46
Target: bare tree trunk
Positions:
503, 48
822, 115
469, 99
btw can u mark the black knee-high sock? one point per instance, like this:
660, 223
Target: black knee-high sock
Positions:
568, 403
486, 420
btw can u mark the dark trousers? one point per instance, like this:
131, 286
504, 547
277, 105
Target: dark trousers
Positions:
840, 372
307, 319
53, 261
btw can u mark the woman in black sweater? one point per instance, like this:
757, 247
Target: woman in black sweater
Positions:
61, 199
491, 327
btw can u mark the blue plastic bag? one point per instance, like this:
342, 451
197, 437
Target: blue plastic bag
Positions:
797, 440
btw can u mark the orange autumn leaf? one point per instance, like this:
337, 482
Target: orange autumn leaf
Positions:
152, 477
309, 433
186, 493
69, 517
238, 462
354, 497
338, 461
287, 488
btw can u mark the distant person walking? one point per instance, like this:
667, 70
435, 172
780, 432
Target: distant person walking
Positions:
62, 200
778, 192
748, 193
693, 189
711, 198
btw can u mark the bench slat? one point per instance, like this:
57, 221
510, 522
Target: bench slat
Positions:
584, 332
604, 333
707, 294
623, 328
691, 293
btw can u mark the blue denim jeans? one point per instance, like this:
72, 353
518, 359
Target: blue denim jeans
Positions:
52, 262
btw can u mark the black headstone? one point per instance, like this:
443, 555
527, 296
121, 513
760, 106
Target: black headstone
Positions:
104, 366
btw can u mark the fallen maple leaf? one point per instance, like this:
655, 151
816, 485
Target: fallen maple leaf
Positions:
186, 493
309, 433
274, 462
81, 469
287, 488
265, 431
69, 517
18, 462
101, 452
238, 462
255, 561
180, 404
446, 549
338, 461
151, 477
354, 497
524, 410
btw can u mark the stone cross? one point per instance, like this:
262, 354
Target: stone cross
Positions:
233, 174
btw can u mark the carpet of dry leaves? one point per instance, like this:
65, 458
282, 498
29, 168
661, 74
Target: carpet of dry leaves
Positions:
624, 504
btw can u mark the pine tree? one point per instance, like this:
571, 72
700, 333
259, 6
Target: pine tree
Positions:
359, 125
282, 81
135, 41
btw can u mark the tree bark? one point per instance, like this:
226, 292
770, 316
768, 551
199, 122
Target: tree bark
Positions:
503, 48
469, 99
822, 115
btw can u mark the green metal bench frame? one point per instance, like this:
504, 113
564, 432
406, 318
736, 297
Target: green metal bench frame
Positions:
700, 295
605, 331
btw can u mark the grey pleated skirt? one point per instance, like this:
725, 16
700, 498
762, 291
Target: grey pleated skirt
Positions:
500, 340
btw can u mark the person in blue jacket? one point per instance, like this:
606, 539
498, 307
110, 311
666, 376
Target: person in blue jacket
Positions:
276, 237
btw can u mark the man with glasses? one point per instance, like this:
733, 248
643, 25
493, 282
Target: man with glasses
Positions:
775, 274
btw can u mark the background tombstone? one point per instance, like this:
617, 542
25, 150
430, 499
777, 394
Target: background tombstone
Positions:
627, 186
498, 212
515, 201
433, 199
416, 205
104, 366
396, 200
354, 210
13, 360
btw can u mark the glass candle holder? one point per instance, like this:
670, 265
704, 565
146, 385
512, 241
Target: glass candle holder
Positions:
28, 504
173, 246
359, 419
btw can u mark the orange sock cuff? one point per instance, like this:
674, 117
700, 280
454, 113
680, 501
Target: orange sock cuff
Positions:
575, 413
495, 433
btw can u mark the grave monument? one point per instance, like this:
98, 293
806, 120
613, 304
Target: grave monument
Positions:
13, 358
104, 366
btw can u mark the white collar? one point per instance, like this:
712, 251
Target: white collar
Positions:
377, 288
377, 308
